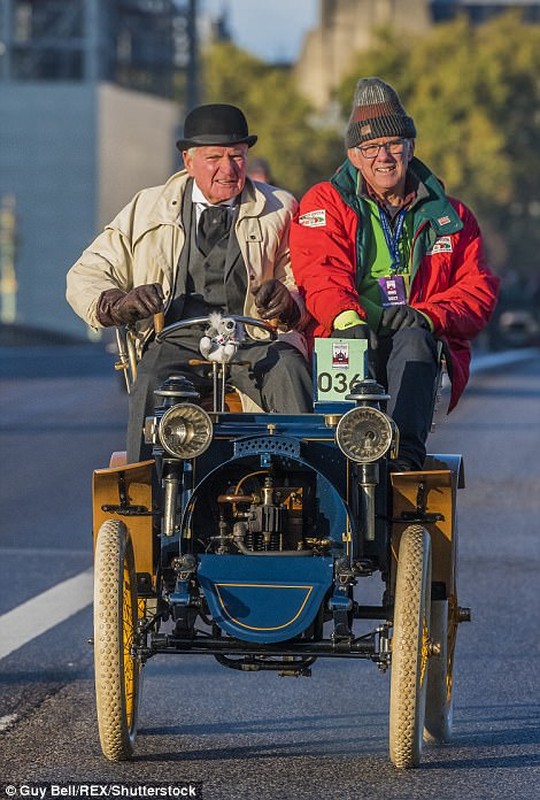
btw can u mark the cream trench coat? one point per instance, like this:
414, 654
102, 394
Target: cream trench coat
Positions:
143, 245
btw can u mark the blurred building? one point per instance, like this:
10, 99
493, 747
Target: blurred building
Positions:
87, 119
345, 27
348, 26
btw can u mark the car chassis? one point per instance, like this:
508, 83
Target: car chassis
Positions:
247, 537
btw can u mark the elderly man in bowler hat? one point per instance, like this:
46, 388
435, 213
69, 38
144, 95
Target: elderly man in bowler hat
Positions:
208, 240
381, 252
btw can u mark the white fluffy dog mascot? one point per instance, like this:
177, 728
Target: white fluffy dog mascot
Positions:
221, 339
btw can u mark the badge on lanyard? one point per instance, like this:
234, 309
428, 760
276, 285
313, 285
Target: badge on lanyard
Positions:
392, 289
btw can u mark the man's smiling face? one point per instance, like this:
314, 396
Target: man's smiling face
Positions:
219, 172
386, 172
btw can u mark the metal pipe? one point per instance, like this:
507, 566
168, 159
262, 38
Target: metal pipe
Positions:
222, 387
123, 359
170, 484
215, 386
368, 478
361, 648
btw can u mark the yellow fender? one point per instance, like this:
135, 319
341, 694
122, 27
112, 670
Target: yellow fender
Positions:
123, 488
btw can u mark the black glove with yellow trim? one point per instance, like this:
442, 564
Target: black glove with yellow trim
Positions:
360, 331
395, 318
349, 325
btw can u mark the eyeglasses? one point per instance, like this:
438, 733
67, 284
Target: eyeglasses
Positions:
395, 148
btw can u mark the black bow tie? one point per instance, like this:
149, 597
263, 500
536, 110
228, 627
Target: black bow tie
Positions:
214, 224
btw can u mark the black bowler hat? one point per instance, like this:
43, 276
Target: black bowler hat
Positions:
216, 123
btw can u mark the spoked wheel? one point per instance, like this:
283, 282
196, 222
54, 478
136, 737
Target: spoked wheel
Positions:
410, 647
439, 702
117, 670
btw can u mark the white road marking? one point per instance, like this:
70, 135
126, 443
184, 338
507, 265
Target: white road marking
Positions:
41, 613
58, 552
7, 721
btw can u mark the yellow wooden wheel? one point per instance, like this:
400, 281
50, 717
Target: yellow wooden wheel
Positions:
439, 702
117, 669
410, 647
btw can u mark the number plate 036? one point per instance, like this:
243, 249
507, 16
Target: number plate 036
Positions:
338, 365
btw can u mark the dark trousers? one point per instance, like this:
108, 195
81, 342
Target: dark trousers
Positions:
277, 379
407, 365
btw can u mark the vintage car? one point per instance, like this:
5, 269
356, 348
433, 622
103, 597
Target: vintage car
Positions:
247, 538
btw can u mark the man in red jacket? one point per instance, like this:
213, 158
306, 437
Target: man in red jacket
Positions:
381, 252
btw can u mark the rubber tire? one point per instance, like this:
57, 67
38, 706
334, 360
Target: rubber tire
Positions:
117, 671
439, 700
409, 647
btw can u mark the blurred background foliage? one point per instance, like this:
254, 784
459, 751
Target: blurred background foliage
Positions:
474, 93
298, 153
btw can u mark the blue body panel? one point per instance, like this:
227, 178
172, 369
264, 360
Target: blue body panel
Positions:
265, 599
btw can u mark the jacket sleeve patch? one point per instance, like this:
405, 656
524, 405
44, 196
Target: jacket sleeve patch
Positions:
441, 245
313, 219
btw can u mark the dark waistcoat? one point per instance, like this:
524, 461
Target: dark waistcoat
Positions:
216, 282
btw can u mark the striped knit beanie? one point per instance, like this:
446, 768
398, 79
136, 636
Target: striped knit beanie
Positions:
376, 112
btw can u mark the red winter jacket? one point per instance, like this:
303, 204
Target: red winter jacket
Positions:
450, 280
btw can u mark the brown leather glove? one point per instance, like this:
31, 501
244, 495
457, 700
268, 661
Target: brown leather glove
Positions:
116, 307
273, 300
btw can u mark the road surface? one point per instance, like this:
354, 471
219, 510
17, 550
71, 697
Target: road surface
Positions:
250, 736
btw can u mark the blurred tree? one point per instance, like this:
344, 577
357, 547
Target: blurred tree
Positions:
299, 153
474, 93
